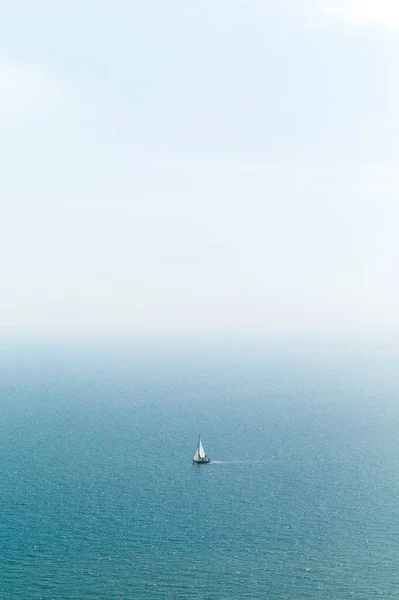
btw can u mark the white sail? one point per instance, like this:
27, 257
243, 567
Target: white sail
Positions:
199, 451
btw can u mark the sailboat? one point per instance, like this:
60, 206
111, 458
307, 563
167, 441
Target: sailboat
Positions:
200, 456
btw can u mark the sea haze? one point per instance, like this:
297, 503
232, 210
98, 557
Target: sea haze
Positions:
99, 499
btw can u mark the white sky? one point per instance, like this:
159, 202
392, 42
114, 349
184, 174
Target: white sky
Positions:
214, 167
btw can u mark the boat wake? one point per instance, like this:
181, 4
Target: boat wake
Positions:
238, 462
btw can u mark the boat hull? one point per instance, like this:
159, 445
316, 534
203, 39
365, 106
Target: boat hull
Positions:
201, 461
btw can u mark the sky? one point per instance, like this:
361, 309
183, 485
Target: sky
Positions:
190, 167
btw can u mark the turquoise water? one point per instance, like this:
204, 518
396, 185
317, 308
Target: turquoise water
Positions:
99, 499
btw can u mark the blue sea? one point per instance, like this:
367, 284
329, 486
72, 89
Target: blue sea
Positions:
99, 499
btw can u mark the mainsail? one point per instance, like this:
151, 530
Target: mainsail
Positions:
199, 451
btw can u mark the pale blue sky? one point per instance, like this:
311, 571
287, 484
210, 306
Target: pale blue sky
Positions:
200, 166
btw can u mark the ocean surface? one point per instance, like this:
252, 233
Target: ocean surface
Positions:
99, 498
